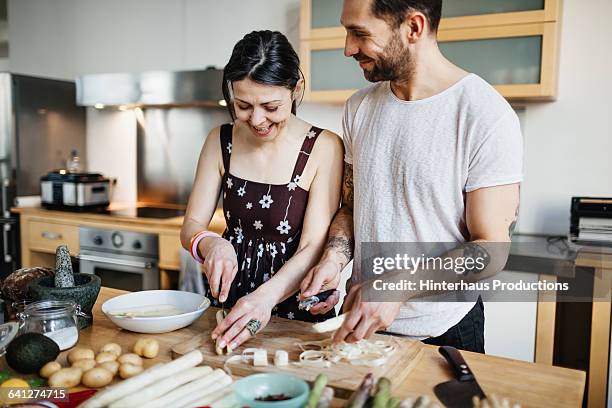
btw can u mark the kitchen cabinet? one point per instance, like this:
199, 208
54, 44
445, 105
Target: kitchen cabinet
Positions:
43, 230
513, 44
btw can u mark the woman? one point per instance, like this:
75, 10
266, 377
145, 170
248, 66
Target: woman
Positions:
280, 180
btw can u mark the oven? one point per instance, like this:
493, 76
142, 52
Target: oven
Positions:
124, 260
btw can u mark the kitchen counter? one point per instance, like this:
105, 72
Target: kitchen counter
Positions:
43, 230
137, 223
531, 385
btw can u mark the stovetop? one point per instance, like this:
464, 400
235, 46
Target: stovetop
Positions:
144, 212
148, 212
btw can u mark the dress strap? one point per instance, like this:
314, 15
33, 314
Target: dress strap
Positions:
226, 144
307, 145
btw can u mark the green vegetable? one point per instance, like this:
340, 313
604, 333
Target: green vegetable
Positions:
28, 352
383, 391
4, 375
315, 393
394, 402
36, 382
64, 277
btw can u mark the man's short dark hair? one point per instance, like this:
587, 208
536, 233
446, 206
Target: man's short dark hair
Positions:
395, 10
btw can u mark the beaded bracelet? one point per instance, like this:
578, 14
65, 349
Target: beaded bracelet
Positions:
195, 241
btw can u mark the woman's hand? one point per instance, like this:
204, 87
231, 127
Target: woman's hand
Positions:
232, 330
220, 265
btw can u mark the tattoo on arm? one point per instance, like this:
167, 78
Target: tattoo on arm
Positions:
341, 245
347, 187
513, 223
341, 239
478, 253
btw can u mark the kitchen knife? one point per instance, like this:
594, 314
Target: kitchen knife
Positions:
458, 393
306, 304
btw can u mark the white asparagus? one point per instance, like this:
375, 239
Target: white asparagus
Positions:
220, 315
190, 389
228, 401
210, 398
190, 400
260, 358
281, 358
133, 384
329, 325
161, 387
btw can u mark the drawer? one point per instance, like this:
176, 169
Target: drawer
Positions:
169, 246
46, 236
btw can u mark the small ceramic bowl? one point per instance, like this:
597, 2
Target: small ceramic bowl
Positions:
190, 305
248, 389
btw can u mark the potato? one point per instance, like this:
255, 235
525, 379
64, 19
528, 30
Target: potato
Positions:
48, 369
80, 353
97, 377
148, 348
112, 348
85, 364
66, 378
111, 366
127, 370
106, 356
130, 358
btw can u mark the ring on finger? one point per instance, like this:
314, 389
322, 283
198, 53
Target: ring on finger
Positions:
253, 326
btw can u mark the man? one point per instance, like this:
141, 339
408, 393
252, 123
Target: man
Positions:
433, 154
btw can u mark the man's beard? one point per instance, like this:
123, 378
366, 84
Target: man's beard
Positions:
394, 63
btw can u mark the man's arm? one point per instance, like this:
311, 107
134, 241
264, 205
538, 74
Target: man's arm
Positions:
491, 214
338, 250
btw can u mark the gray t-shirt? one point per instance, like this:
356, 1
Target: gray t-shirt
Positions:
413, 162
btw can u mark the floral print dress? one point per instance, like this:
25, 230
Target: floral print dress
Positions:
264, 225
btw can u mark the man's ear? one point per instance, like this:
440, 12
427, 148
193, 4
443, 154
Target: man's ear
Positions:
415, 25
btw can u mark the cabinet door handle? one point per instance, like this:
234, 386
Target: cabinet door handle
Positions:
5, 184
51, 235
7, 255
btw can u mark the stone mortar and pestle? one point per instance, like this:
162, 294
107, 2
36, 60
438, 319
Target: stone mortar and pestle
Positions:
81, 288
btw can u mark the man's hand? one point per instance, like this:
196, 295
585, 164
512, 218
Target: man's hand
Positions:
323, 276
365, 318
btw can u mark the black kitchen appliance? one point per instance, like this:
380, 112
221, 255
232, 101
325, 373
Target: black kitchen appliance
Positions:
591, 220
62, 190
40, 124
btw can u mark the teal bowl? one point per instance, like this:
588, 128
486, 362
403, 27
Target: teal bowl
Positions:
248, 389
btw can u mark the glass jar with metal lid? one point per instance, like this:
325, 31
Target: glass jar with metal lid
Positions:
55, 319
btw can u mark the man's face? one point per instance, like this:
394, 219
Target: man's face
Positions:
374, 43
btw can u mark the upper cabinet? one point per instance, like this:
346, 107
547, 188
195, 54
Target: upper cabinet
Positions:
512, 44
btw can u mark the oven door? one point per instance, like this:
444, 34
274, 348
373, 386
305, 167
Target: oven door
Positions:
121, 272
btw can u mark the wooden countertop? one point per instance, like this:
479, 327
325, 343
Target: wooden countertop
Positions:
531, 385
140, 223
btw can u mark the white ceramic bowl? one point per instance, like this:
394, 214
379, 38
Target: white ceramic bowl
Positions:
192, 304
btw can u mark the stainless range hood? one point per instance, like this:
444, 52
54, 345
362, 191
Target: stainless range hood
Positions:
155, 88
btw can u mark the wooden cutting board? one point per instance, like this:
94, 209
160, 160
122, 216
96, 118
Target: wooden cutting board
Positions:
284, 334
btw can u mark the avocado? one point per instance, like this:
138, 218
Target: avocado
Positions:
28, 352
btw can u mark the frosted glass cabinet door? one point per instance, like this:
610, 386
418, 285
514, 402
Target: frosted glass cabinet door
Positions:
331, 70
325, 13
459, 8
500, 61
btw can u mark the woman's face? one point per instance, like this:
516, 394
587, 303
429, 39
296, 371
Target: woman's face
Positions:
265, 109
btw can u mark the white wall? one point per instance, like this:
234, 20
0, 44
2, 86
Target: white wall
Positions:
567, 142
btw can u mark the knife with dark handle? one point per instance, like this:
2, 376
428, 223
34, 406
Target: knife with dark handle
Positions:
310, 301
458, 393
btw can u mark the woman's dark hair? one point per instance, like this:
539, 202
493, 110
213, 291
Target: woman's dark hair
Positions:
265, 57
